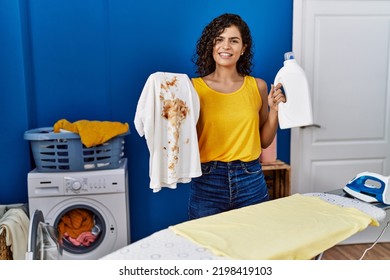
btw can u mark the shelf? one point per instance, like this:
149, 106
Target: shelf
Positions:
277, 176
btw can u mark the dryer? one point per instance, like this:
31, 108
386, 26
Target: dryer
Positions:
102, 195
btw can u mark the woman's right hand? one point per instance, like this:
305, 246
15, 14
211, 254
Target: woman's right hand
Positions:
275, 97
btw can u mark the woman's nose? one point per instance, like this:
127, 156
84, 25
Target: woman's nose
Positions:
226, 45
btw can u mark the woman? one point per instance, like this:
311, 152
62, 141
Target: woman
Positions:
235, 122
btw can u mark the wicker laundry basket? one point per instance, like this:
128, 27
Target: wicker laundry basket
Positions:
5, 251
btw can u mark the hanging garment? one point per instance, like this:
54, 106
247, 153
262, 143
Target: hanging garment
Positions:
167, 113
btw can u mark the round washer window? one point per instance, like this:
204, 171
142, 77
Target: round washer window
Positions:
81, 229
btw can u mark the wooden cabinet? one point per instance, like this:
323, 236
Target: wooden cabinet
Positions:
277, 176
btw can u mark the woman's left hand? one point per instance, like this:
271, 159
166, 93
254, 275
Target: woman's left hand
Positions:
275, 96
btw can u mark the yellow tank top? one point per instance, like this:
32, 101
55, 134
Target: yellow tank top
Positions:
228, 125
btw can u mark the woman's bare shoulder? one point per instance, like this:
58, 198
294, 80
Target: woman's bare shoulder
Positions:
262, 85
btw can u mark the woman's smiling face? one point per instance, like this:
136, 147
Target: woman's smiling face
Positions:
228, 47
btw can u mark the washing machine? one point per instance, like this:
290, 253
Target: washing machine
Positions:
97, 197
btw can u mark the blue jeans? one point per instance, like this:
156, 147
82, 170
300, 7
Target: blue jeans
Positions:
225, 186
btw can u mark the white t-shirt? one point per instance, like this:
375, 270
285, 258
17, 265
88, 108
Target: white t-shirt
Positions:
167, 113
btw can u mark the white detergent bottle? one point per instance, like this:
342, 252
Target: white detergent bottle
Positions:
297, 110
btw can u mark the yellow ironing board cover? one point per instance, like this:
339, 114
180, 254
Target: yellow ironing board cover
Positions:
295, 227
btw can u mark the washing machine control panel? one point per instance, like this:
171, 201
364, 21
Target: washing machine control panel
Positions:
94, 184
73, 185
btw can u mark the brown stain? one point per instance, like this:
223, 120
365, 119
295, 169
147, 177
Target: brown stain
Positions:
175, 111
168, 84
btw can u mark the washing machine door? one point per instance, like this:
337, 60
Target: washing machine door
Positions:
43, 240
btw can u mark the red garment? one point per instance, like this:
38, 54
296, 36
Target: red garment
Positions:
84, 239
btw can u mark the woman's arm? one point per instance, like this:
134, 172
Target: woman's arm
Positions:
269, 111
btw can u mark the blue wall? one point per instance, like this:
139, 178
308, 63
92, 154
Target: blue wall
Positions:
90, 59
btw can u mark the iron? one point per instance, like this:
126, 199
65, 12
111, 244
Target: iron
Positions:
369, 187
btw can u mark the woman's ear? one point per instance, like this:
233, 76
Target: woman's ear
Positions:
243, 49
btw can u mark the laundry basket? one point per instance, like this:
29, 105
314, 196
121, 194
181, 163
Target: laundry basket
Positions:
5, 251
64, 151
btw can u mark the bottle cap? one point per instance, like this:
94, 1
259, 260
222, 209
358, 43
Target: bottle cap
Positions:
288, 55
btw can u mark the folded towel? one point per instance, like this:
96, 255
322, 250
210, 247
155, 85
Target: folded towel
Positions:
92, 133
6, 207
15, 222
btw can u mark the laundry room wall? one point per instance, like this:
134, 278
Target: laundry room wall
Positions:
90, 59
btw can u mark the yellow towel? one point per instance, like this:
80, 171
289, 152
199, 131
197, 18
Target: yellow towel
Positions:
294, 227
92, 133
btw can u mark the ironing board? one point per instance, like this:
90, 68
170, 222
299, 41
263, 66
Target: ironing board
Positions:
339, 198
171, 244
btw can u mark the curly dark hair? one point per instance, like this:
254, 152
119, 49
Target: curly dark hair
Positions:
203, 58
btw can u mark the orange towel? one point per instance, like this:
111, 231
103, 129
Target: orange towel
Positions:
93, 133
75, 222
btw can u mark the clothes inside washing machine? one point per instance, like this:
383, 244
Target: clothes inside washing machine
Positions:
80, 229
